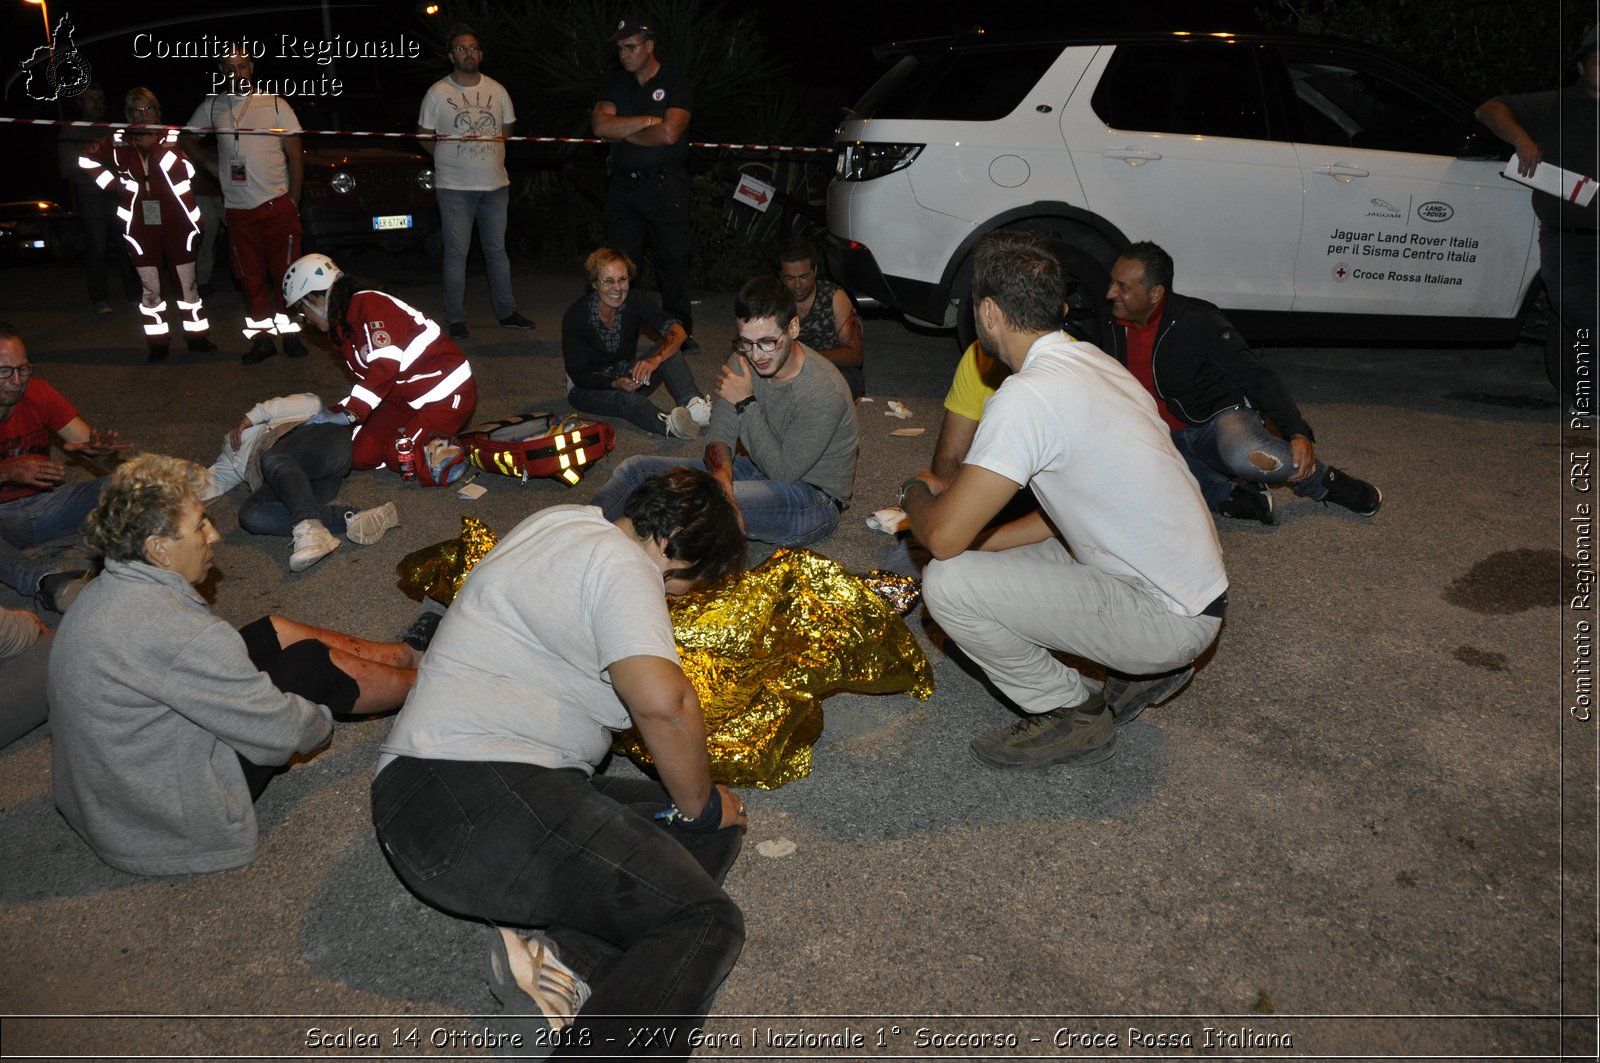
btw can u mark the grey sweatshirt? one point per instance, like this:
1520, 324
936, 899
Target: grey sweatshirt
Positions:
151, 696
797, 430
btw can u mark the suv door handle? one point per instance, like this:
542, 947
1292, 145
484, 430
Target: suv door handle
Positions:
1132, 156
1341, 172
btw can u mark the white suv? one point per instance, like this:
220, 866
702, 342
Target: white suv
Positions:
1311, 188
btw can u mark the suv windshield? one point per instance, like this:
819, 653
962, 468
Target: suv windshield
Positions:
958, 85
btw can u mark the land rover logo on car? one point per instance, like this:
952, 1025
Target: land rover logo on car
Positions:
1436, 211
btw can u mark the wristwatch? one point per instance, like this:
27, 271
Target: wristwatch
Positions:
742, 404
908, 484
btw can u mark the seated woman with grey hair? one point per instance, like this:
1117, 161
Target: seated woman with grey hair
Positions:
167, 722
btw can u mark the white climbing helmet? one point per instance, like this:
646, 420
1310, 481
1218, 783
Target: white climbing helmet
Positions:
307, 274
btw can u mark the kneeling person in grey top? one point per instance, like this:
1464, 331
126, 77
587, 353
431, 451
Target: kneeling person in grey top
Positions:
488, 800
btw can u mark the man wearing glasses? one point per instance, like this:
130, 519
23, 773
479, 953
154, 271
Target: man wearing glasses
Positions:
36, 502
469, 177
790, 410
644, 110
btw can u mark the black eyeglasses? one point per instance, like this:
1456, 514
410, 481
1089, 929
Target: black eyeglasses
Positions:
21, 372
767, 346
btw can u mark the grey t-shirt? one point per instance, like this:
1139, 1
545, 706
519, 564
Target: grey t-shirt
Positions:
802, 429
517, 669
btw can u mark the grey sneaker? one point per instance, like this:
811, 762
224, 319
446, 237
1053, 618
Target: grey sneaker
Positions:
681, 424
528, 978
368, 526
1073, 737
1129, 697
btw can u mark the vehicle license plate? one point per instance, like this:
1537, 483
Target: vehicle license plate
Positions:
391, 221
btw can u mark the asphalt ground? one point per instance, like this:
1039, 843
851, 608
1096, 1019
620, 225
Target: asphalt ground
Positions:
1366, 829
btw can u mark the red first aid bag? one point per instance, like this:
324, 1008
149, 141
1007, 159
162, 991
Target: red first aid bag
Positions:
538, 445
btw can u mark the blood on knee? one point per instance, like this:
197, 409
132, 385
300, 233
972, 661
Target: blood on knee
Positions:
1264, 461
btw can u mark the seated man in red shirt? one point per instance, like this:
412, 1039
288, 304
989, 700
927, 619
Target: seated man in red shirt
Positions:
36, 502
1213, 394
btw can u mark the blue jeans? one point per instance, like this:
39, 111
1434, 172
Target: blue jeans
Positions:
636, 406
1218, 452
37, 519
458, 211
774, 512
635, 908
301, 473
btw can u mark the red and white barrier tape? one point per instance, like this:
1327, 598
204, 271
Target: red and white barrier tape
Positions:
780, 148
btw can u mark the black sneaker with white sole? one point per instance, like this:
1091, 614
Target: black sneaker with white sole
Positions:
1249, 502
1358, 496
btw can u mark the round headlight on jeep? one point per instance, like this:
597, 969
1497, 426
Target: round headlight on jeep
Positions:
342, 183
425, 180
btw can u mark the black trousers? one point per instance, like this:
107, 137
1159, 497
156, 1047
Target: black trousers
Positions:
654, 208
303, 669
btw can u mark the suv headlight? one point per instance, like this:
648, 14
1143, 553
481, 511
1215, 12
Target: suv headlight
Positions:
342, 183
425, 180
862, 162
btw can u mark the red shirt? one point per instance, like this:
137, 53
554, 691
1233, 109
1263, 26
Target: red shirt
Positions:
397, 354
41, 411
1141, 351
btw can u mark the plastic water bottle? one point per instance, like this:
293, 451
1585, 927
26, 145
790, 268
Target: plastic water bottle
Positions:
406, 455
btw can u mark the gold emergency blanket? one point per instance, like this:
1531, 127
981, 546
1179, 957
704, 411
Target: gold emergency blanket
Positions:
762, 652
437, 571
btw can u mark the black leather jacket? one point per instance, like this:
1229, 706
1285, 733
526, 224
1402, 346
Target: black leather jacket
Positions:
1202, 366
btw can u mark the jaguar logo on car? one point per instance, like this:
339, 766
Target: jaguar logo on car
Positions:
1436, 211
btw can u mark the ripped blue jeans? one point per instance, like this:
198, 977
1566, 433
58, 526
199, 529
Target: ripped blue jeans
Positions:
1218, 452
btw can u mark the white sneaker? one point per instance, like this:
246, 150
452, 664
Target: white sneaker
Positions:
527, 977
312, 543
681, 424
367, 527
699, 408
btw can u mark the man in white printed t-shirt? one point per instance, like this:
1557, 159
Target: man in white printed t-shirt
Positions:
261, 176
469, 177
